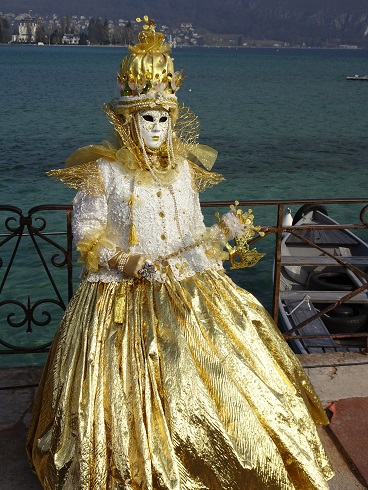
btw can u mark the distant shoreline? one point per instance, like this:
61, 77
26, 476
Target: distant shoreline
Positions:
305, 48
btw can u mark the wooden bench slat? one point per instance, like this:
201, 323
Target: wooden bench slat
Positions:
323, 237
322, 296
323, 260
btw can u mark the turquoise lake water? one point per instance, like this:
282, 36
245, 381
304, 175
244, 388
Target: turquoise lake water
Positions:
286, 123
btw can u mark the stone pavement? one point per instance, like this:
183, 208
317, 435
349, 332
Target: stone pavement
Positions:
349, 431
341, 381
17, 390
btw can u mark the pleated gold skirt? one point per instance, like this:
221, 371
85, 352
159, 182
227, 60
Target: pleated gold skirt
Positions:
194, 388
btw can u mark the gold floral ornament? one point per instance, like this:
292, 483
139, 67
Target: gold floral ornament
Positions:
238, 225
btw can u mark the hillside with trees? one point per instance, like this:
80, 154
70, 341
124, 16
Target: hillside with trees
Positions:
314, 22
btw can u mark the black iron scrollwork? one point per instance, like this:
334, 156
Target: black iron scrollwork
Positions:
32, 227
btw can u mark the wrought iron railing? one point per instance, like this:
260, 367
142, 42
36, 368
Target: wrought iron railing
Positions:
21, 313
24, 240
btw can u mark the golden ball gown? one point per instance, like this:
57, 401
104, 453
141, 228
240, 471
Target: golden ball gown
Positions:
181, 383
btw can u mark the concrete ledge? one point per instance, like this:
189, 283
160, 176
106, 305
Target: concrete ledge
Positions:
18, 377
337, 376
17, 391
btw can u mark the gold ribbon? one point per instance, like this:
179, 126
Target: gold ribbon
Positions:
120, 301
91, 153
90, 249
107, 151
204, 155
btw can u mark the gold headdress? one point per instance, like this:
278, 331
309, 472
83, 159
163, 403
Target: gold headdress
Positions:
147, 78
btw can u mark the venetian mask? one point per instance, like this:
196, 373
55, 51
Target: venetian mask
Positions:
153, 126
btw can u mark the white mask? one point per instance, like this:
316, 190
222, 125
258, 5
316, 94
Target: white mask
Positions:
153, 125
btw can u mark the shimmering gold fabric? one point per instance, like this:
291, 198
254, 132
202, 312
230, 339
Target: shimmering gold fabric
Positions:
196, 389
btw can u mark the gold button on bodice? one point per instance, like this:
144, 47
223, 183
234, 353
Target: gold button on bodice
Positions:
163, 236
161, 214
159, 194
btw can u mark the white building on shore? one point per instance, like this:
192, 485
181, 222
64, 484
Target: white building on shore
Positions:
70, 39
26, 29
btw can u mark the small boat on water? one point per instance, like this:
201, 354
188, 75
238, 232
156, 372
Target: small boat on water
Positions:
316, 278
358, 77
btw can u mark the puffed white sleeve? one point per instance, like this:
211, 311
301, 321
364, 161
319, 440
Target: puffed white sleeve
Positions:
213, 250
95, 244
197, 216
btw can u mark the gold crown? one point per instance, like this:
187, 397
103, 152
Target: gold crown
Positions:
147, 78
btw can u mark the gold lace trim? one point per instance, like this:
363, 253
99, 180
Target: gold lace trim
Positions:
84, 177
203, 179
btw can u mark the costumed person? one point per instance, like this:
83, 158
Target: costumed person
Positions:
164, 374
